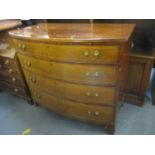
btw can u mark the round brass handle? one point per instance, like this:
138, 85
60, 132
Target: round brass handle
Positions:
33, 79
96, 53
88, 93
25, 61
89, 112
87, 74
19, 45
7, 62
28, 63
13, 79
97, 113
10, 70
86, 53
96, 95
23, 47
16, 90
97, 74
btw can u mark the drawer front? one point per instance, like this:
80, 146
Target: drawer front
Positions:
12, 88
6, 63
70, 53
84, 74
10, 72
80, 111
76, 92
15, 80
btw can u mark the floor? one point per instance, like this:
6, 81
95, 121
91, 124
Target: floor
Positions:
16, 116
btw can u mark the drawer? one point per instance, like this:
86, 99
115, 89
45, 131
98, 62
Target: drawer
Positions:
15, 80
12, 88
6, 63
9, 71
96, 54
76, 73
80, 111
82, 93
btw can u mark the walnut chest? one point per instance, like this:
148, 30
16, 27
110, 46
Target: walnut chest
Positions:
11, 77
77, 70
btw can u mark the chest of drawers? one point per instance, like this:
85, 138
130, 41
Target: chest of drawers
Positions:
11, 77
76, 70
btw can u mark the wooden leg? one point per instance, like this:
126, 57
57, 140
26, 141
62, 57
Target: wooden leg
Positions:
30, 102
36, 104
110, 129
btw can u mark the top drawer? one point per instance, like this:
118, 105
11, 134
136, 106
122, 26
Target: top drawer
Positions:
95, 54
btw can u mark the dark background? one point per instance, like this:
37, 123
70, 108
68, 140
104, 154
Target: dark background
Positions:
144, 35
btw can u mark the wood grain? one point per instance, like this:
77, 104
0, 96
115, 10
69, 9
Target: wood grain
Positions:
107, 54
72, 33
81, 93
61, 65
75, 73
139, 71
74, 110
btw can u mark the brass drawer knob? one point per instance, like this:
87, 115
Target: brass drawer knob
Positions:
97, 74
89, 112
88, 74
25, 61
88, 93
96, 53
33, 80
97, 95
10, 70
97, 113
13, 79
28, 63
86, 53
19, 45
23, 47
16, 90
7, 62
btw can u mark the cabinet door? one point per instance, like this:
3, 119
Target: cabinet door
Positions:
138, 79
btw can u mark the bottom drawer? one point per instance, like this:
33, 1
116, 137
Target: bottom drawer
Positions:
80, 111
12, 88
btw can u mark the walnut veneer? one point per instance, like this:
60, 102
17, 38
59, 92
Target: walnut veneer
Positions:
77, 70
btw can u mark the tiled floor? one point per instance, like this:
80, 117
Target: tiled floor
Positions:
16, 115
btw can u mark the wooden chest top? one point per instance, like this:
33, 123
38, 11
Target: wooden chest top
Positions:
9, 24
73, 33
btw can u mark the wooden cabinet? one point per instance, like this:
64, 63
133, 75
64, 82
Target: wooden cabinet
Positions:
138, 77
153, 88
11, 76
74, 71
